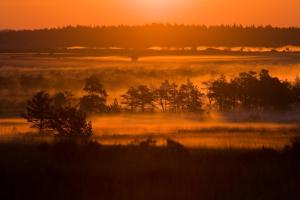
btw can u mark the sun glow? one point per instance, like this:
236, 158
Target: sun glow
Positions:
157, 8
157, 3
40, 14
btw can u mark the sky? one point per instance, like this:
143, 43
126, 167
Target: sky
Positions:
31, 14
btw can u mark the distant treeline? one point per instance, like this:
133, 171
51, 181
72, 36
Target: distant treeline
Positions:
153, 35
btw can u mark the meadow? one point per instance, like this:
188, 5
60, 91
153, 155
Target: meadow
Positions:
24, 74
208, 155
21, 74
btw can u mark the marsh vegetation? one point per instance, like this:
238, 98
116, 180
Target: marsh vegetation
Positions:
68, 170
239, 107
157, 128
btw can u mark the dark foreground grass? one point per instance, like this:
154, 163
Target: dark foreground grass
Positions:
66, 170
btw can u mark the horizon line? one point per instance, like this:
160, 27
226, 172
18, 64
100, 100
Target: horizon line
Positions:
149, 24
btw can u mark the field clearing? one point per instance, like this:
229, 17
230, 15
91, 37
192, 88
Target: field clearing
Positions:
192, 132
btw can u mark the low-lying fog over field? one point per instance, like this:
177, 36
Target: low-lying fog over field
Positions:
191, 131
22, 75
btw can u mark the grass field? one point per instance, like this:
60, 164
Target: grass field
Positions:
66, 170
195, 156
191, 131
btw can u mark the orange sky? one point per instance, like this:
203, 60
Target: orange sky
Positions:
52, 13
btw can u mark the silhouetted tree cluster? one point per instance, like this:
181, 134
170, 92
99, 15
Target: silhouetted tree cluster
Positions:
71, 121
249, 91
64, 114
58, 114
252, 91
139, 98
163, 35
168, 97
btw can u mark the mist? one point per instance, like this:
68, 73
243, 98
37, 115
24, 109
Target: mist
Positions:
23, 75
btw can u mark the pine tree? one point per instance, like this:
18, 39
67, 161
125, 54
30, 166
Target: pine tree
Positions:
115, 107
130, 99
38, 111
71, 121
95, 100
163, 95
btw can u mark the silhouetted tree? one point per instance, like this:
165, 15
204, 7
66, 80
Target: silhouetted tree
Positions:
141, 97
93, 104
216, 90
296, 90
243, 91
71, 121
173, 97
190, 97
63, 99
115, 107
95, 101
130, 99
38, 111
274, 93
145, 98
93, 86
164, 96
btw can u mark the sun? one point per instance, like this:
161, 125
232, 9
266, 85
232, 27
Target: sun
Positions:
158, 8
157, 3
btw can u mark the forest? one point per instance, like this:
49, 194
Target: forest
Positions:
146, 36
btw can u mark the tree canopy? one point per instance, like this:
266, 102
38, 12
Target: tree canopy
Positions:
248, 91
251, 91
56, 114
95, 100
38, 111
